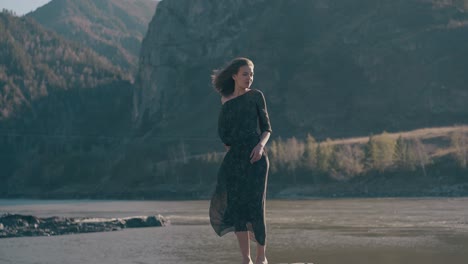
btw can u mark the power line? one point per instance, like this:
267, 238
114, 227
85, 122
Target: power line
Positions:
124, 137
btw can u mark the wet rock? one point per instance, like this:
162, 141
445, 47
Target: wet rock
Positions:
15, 225
145, 221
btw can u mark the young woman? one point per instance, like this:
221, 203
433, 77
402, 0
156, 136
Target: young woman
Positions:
238, 203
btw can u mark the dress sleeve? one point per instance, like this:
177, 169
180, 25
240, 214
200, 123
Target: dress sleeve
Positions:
264, 119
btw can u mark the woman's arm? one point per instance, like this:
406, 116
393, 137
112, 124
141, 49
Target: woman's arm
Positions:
265, 128
264, 137
263, 117
257, 152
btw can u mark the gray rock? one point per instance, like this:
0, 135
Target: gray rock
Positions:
149, 221
15, 225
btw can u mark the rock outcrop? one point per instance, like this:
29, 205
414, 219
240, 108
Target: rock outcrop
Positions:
15, 225
331, 68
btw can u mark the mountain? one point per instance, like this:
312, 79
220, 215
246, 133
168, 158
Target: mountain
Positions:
58, 102
36, 63
113, 28
330, 68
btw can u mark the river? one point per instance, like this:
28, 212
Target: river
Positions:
328, 231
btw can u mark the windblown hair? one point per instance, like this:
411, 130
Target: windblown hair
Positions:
222, 78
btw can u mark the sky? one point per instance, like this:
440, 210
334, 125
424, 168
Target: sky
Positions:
22, 7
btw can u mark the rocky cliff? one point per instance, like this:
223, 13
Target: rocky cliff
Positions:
328, 67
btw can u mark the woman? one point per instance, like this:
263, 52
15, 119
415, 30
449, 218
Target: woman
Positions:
238, 203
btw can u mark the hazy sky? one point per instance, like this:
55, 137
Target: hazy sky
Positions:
22, 7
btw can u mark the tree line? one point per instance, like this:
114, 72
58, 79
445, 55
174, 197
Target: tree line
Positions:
380, 153
294, 161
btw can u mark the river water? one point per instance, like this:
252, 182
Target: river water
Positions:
328, 231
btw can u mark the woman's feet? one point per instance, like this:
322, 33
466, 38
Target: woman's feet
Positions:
261, 261
247, 261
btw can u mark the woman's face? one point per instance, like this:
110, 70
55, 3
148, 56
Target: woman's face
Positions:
244, 77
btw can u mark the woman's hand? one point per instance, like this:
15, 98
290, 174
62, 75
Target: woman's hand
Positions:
256, 153
227, 147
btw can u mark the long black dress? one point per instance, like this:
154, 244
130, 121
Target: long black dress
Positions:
238, 203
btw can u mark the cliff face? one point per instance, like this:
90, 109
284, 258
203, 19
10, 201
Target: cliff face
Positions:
331, 68
185, 41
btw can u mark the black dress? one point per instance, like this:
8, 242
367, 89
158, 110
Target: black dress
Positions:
238, 203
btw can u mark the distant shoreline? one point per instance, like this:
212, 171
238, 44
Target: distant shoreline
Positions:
291, 193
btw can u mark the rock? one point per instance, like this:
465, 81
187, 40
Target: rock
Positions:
15, 225
154, 221
135, 222
316, 48
149, 221
19, 220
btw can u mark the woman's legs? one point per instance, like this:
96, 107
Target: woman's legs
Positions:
259, 230
243, 239
252, 237
260, 258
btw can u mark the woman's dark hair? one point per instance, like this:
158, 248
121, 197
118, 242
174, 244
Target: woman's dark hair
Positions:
222, 78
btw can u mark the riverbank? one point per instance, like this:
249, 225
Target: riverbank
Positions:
437, 182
